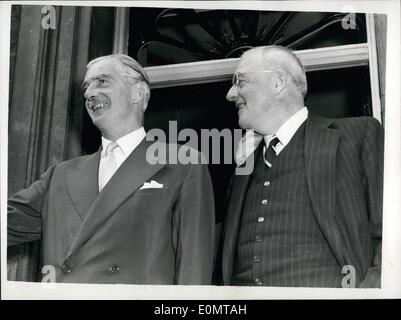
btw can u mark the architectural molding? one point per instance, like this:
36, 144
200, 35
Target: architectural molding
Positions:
121, 30
49, 63
222, 70
373, 67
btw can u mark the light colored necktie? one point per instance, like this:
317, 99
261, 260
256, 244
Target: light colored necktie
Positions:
108, 164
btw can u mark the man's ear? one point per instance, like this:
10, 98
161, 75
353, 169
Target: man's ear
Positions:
280, 80
138, 92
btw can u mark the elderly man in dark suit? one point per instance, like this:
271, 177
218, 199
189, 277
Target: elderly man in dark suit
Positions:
114, 216
310, 214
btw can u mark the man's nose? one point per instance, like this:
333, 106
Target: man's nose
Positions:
231, 94
89, 93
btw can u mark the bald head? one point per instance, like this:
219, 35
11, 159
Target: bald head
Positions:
279, 58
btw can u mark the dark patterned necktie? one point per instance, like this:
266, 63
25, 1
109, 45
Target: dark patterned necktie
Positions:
270, 154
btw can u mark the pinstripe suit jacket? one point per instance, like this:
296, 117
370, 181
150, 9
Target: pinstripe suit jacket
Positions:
344, 169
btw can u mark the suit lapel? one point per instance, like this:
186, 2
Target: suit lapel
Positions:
128, 178
82, 183
321, 143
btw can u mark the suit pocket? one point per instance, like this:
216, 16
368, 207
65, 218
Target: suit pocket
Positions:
157, 192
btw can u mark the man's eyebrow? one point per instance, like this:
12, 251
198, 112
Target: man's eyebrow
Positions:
100, 76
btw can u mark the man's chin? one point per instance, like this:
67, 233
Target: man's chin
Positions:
242, 123
97, 119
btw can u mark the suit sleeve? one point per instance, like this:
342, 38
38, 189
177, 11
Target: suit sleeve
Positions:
196, 228
218, 269
24, 211
372, 161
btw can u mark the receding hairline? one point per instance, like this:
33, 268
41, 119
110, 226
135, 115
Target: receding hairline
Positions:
266, 52
124, 61
270, 56
115, 57
131, 65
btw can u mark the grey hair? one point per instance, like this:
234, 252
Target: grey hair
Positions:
284, 58
129, 68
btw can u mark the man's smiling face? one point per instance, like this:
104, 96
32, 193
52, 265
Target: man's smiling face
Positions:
252, 93
108, 95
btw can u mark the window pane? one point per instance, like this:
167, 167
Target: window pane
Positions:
160, 36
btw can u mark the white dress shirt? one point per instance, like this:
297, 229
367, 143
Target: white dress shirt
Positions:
126, 145
251, 139
287, 130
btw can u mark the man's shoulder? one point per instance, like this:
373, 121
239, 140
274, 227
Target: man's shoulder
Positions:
360, 121
354, 132
349, 125
62, 166
360, 127
75, 162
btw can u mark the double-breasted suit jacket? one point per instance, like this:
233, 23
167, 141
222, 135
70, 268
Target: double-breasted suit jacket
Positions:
125, 233
344, 171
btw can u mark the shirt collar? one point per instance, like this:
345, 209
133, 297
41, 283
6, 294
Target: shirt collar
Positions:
128, 142
288, 128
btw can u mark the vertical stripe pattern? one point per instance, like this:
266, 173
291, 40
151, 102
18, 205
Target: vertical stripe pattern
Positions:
280, 242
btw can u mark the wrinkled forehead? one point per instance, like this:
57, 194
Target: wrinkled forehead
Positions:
251, 61
110, 67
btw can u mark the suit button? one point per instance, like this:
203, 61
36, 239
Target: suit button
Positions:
267, 183
256, 259
261, 219
66, 268
258, 238
264, 201
258, 282
114, 268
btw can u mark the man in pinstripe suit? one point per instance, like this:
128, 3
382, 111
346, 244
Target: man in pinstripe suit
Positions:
310, 214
